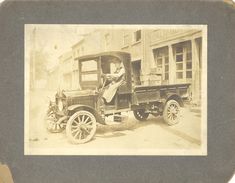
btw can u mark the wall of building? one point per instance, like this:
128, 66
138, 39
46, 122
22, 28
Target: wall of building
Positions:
53, 79
66, 70
183, 52
160, 56
167, 56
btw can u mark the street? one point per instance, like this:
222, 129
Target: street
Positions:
131, 134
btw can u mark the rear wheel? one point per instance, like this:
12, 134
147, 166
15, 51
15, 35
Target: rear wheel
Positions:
171, 113
140, 114
81, 127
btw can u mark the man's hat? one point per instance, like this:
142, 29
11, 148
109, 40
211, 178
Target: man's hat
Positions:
115, 59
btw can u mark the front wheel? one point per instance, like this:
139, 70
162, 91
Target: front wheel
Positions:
171, 113
140, 114
52, 124
81, 127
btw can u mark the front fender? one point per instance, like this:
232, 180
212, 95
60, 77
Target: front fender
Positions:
74, 108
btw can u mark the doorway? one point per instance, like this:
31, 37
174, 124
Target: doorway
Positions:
136, 68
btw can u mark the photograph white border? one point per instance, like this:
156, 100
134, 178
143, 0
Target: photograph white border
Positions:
166, 152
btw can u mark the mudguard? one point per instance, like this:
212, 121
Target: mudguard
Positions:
174, 96
74, 108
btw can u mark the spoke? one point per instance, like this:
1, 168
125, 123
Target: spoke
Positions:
86, 130
89, 123
87, 119
75, 136
83, 116
80, 135
170, 116
75, 130
176, 116
76, 121
79, 119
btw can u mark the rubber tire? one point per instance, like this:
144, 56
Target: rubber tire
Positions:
165, 116
140, 117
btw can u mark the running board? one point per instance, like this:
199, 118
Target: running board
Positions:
116, 111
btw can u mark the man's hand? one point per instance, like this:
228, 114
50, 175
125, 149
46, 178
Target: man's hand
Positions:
103, 75
108, 76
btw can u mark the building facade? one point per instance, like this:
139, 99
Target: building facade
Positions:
158, 56
166, 56
53, 80
66, 70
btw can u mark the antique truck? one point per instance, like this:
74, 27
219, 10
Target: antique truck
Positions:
79, 111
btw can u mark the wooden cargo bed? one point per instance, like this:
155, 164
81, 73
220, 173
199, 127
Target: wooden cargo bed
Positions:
146, 94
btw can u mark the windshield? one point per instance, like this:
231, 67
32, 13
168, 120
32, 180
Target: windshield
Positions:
89, 70
89, 65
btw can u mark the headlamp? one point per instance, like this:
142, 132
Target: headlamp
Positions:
60, 105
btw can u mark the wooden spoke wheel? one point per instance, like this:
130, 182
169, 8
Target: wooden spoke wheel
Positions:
52, 125
140, 114
171, 113
81, 127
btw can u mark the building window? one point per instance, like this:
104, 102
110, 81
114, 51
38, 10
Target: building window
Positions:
179, 61
107, 41
166, 77
162, 61
137, 35
188, 50
125, 40
183, 60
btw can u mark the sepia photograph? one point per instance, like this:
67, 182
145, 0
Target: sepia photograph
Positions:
94, 89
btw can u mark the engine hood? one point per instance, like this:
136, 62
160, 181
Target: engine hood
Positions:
77, 93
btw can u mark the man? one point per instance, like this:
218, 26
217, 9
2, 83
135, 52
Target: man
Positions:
116, 79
